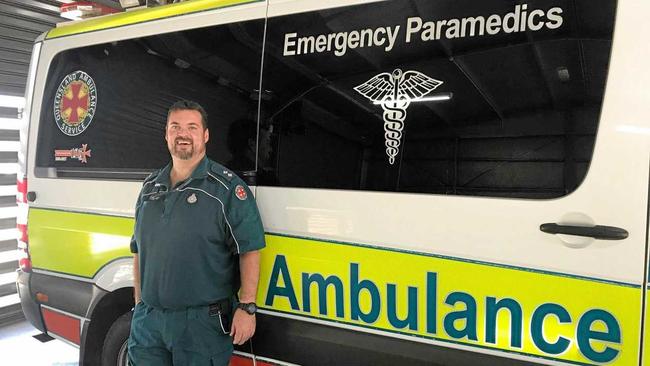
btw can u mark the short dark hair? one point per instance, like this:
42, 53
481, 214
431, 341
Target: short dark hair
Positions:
183, 105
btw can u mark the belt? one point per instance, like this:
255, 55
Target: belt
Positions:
223, 306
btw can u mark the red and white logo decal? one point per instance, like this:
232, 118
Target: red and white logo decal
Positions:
82, 154
240, 192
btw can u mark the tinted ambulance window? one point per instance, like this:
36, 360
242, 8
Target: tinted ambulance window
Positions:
105, 106
495, 98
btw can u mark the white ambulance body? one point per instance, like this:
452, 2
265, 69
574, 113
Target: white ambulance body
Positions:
441, 182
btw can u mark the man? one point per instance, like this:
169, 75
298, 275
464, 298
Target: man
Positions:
196, 241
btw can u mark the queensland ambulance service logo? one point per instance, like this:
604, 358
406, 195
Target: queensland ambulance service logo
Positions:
395, 92
75, 103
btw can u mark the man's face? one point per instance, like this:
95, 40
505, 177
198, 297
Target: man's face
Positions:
185, 135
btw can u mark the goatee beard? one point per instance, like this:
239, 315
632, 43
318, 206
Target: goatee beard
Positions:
184, 154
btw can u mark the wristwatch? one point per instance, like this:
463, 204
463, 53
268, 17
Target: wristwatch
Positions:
249, 307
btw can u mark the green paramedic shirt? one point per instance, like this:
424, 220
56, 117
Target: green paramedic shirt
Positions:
188, 236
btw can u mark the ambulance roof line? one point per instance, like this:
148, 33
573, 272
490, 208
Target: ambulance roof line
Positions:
142, 15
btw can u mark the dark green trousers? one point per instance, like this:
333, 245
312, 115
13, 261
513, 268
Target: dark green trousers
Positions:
188, 337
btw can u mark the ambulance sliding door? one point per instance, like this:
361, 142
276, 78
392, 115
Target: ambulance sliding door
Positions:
430, 169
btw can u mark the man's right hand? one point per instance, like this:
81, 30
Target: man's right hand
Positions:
136, 280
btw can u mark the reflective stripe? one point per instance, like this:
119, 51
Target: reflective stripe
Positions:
222, 183
63, 275
63, 325
81, 318
223, 329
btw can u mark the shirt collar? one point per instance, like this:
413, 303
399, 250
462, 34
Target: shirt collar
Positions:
163, 176
201, 171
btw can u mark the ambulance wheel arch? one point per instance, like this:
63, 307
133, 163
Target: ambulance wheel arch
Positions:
115, 349
115, 275
110, 314
105, 313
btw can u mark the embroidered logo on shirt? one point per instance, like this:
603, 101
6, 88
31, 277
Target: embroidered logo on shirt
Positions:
240, 192
192, 199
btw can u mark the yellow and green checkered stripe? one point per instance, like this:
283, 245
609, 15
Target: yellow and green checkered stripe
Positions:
577, 320
142, 15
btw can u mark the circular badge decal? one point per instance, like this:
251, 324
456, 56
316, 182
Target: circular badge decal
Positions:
75, 103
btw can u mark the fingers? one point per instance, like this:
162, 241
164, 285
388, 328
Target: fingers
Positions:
240, 334
233, 332
236, 334
240, 337
243, 327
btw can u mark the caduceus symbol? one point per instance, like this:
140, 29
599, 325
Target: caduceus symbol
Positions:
395, 92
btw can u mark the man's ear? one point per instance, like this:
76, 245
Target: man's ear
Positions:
206, 136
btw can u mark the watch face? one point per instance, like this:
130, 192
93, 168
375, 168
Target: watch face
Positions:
250, 308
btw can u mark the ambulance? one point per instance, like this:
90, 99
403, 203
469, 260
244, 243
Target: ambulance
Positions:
442, 182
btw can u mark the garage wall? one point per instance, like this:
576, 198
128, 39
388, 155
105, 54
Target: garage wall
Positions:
21, 21
9, 146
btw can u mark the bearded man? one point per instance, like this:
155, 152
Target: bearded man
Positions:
196, 256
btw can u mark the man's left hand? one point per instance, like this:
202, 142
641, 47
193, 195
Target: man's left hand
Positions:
243, 327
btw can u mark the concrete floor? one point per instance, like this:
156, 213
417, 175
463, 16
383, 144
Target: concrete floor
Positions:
18, 347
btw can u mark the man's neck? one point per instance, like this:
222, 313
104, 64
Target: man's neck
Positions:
182, 169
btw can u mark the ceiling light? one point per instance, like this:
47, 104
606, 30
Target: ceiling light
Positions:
84, 9
129, 3
433, 98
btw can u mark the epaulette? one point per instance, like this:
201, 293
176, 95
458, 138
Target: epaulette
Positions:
222, 172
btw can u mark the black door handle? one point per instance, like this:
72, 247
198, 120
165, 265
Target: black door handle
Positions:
596, 232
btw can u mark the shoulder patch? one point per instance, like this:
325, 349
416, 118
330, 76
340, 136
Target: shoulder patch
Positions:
240, 192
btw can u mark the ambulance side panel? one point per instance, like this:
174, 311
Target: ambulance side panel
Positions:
453, 245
